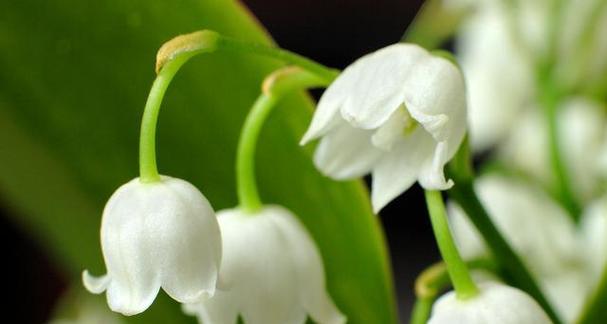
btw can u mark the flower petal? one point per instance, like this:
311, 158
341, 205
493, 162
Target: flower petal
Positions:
435, 96
309, 266
346, 153
188, 273
217, 310
95, 285
399, 169
128, 242
495, 303
376, 84
326, 115
393, 129
432, 176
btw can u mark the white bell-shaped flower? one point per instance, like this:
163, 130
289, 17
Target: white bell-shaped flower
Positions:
496, 303
399, 113
499, 76
159, 234
538, 229
271, 273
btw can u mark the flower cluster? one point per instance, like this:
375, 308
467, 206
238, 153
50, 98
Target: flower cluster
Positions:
536, 213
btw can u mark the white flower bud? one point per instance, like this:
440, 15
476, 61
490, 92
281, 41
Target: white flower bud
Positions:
496, 304
271, 273
159, 234
399, 113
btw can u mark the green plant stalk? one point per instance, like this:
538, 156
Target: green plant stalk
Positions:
175, 53
464, 287
507, 260
148, 170
422, 308
275, 87
515, 271
432, 281
595, 308
206, 41
550, 98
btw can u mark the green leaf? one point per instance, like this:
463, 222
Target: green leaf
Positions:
75, 75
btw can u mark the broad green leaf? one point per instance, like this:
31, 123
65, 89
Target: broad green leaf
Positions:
74, 78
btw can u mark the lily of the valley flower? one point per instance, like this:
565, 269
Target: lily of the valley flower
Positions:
499, 75
541, 233
399, 113
496, 303
271, 273
157, 234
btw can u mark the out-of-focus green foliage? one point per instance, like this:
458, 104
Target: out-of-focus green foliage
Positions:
433, 24
74, 78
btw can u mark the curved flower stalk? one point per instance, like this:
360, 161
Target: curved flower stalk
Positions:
399, 113
584, 144
496, 303
157, 234
151, 224
271, 272
540, 232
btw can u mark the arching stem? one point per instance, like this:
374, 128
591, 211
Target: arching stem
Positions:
176, 52
275, 87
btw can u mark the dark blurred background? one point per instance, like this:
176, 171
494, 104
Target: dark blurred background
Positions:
331, 32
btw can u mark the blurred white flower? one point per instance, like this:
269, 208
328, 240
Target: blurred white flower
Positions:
399, 113
496, 303
594, 236
271, 273
582, 136
498, 73
539, 230
159, 234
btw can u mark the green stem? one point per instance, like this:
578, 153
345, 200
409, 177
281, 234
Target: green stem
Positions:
148, 171
275, 87
176, 52
435, 279
458, 271
506, 258
320, 70
510, 264
422, 308
245, 158
550, 98
207, 41
595, 309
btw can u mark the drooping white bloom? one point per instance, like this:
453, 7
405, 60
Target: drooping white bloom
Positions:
160, 234
498, 73
582, 135
399, 113
496, 303
539, 230
271, 273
